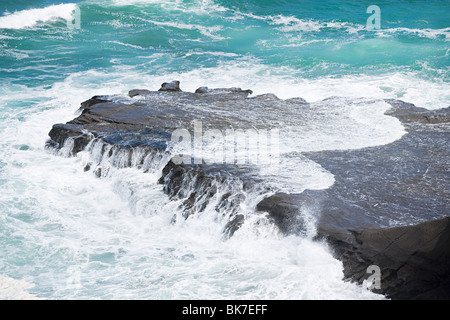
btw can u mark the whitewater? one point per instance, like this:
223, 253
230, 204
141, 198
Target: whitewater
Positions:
68, 234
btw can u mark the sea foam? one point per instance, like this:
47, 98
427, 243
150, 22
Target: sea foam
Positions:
12, 289
30, 18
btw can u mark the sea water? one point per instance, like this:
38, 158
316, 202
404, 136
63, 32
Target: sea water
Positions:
68, 234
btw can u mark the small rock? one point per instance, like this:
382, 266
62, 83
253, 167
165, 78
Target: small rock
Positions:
266, 96
87, 167
138, 92
92, 101
233, 225
233, 90
170, 86
202, 90
297, 100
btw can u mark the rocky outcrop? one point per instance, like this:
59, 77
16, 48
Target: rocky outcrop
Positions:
409, 113
124, 132
388, 206
198, 186
414, 260
407, 181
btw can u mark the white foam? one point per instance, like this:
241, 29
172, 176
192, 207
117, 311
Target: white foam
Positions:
213, 53
299, 43
291, 24
250, 73
295, 174
15, 53
198, 7
425, 33
206, 31
346, 124
12, 289
29, 18
125, 44
137, 2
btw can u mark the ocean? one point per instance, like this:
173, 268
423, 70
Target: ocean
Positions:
68, 234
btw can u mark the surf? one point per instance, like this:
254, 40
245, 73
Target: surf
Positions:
40, 16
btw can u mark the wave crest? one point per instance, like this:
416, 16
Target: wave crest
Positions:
30, 18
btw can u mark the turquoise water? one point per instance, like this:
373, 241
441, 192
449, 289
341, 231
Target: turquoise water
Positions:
304, 39
66, 234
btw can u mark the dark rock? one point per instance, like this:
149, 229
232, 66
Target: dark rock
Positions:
404, 183
170, 86
138, 92
92, 101
202, 90
196, 185
87, 167
233, 225
61, 133
98, 172
235, 91
414, 260
409, 113
284, 211
266, 96
297, 100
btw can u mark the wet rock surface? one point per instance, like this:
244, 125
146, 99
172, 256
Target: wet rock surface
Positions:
414, 260
409, 178
130, 130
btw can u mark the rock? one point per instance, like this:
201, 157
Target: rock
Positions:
409, 113
138, 92
266, 96
61, 133
405, 182
414, 260
202, 90
221, 91
297, 100
92, 101
284, 211
196, 185
170, 86
233, 225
